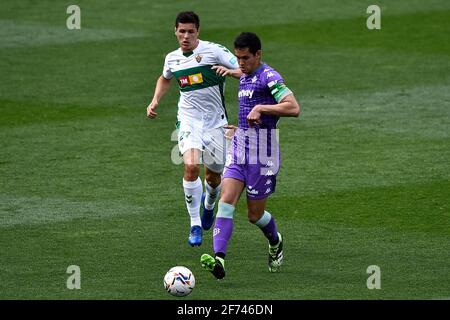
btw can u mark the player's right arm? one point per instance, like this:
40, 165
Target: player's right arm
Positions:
162, 86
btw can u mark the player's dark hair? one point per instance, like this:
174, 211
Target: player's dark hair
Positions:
248, 40
187, 17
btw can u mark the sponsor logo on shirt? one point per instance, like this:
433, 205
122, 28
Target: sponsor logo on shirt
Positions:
184, 81
245, 93
196, 78
190, 80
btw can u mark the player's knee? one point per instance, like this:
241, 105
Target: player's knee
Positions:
252, 219
191, 172
228, 197
213, 179
253, 216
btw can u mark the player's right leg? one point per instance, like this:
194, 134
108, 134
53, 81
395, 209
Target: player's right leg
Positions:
190, 146
223, 226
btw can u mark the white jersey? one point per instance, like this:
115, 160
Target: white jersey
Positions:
201, 89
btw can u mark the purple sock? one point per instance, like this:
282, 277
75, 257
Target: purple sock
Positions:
270, 231
223, 229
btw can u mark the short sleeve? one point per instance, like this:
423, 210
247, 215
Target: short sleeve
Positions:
225, 57
166, 70
275, 84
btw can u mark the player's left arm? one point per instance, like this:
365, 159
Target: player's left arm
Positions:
288, 107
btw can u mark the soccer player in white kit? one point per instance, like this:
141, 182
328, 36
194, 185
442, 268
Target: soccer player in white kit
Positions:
200, 68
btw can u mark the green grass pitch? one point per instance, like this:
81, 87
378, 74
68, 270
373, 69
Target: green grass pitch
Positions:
86, 179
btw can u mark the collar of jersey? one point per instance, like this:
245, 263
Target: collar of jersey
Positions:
263, 65
188, 54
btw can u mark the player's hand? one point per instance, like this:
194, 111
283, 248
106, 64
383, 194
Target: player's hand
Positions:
254, 117
231, 130
222, 71
151, 110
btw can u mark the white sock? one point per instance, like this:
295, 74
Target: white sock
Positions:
211, 195
193, 191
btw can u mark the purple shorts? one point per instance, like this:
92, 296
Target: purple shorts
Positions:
260, 180
254, 162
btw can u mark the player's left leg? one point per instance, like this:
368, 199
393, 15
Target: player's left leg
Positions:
193, 189
266, 222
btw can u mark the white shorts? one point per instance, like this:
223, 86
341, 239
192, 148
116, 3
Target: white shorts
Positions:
211, 142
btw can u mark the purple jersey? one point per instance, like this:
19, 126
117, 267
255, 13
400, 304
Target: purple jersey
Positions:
254, 156
264, 86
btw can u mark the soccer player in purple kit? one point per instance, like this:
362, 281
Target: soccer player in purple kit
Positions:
253, 160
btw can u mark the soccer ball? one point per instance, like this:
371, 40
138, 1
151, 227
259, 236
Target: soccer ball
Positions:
179, 281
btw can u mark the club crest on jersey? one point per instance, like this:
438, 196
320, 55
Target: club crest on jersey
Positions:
198, 58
